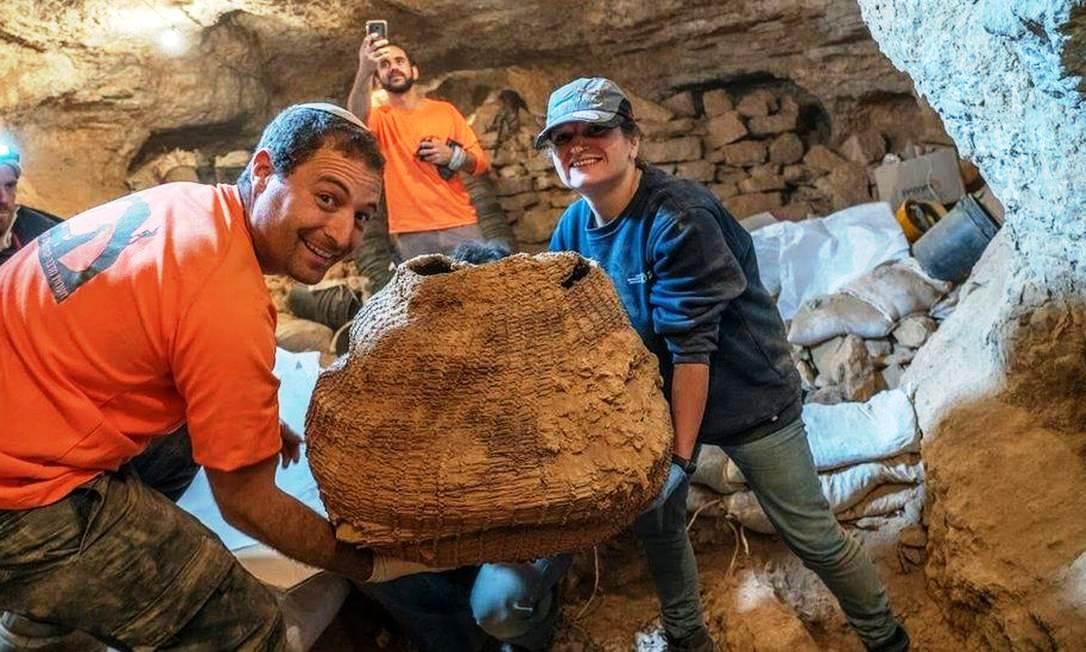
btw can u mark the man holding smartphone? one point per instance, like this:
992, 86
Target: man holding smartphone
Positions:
425, 142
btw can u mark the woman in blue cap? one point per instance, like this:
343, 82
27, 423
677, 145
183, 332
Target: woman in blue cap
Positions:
686, 273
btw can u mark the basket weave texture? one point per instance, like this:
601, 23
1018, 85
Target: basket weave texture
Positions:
499, 412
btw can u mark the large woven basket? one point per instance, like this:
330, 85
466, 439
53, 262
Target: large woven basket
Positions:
489, 413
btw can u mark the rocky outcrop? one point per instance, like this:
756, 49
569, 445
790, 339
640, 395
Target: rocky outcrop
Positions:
998, 389
91, 98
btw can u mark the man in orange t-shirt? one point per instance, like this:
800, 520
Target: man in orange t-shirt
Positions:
159, 322
425, 143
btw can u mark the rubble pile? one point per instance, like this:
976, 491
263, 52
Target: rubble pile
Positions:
848, 347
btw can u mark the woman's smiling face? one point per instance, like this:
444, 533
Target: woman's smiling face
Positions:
590, 157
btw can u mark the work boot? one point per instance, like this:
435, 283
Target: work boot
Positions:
332, 306
20, 634
898, 642
699, 641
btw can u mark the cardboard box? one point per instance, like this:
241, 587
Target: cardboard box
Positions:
932, 177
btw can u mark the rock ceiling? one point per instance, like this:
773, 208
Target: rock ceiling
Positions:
88, 84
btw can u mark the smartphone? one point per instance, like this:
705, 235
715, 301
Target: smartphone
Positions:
378, 27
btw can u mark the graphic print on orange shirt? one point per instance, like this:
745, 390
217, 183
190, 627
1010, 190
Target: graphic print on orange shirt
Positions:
69, 260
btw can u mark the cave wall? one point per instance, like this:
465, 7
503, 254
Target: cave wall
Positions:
90, 98
1000, 389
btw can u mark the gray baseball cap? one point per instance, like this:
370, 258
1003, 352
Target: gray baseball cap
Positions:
588, 99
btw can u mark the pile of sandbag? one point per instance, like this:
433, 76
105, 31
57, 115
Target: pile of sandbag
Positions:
857, 341
867, 456
498, 412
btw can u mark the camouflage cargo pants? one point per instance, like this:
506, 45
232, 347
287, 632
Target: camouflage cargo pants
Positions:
118, 560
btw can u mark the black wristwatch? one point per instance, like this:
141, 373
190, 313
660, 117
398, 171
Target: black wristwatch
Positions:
688, 466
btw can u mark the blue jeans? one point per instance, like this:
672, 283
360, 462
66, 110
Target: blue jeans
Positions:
780, 470
454, 611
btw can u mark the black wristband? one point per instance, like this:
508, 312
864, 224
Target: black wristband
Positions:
686, 465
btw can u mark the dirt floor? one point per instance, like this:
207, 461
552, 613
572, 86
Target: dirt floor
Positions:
758, 597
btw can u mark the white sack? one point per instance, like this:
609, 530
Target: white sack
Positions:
850, 433
845, 490
870, 306
803, 260
824, 318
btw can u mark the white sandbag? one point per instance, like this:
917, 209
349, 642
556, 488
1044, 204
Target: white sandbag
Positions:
898, 288
844, 489
824, 318
887, 499
869, 306
301, 335
717, 471
851, 433
839, 435
816, 257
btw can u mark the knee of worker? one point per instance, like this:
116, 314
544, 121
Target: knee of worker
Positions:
505, 603
822, 544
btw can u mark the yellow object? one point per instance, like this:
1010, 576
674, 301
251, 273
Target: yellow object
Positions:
916, 217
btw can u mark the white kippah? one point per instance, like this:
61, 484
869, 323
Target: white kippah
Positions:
334, 110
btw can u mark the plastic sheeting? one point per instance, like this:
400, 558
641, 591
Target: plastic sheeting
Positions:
799, 261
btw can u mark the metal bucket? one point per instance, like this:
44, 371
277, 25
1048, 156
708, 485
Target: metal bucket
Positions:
949, 249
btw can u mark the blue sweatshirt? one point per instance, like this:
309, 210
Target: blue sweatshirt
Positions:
687, 275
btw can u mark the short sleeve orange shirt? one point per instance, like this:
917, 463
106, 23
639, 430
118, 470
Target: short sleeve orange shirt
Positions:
418, 198
125, 322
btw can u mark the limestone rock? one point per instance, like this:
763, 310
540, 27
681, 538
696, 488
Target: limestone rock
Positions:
681, 104
724, 129
794, 211
796, 174
786, 148
749, 204
672, 151
724, 191
702, 171
757, 104
762, 182
518, 202
823, 159
849, 186
546, 182
914, 330
845, 362
745, 152
648, 110
726, 174
878, 348
891, 375
716, 102
863, 147
772, 124
670, 129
